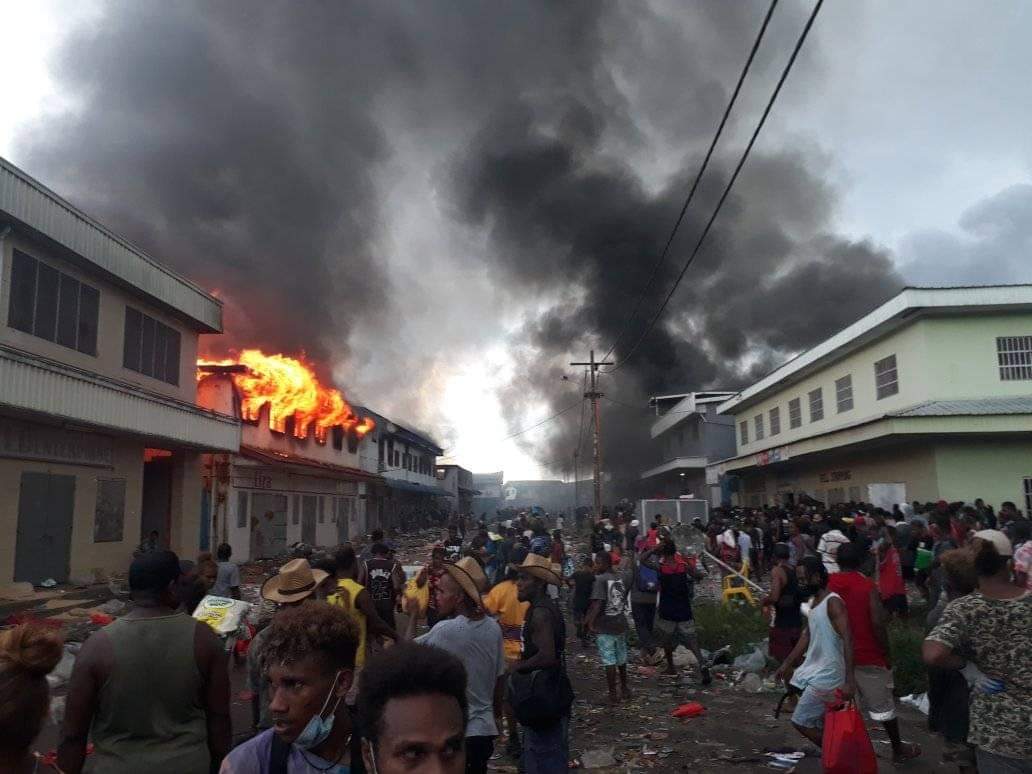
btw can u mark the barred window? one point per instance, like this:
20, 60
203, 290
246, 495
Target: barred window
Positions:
1014, 354
816, 405
844, 393
886, 378
775, 420
743, 432
758, 421
795, 413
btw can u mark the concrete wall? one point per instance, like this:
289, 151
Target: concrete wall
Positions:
110, 327
961, 355
954, 470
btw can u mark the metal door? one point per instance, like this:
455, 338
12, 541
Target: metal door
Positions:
46, 507
308, 511
268, 525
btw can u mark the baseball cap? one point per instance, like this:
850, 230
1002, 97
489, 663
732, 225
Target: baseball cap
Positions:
999, 540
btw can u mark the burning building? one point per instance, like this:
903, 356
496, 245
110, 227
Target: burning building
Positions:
303, 472
100, 432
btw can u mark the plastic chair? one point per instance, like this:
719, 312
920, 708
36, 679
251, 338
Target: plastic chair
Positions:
735, 588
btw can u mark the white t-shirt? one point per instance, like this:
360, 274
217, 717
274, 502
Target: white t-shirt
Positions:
228, 578
478, 645
828, 548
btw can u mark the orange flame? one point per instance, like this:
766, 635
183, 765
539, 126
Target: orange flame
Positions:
291, 389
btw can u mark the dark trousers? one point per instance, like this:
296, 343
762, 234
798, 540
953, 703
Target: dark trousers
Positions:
644, 618
478, 752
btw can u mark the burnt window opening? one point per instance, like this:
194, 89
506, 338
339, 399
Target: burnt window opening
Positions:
338, 437
352, 440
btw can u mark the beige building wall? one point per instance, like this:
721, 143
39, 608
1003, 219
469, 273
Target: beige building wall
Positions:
955, 470
85, 553
110, 326
961, 355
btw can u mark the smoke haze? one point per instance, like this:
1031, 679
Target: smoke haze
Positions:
391, 187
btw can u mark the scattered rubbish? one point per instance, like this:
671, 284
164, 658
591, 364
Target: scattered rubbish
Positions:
221, 613
112, 607
100, 619
57, 710
49, 583
691, 709
918, 701
598, 759
21, 590
721, 656
752, 683
646, 671
63, 671
751, 662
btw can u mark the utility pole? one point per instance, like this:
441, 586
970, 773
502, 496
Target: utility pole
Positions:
596, 441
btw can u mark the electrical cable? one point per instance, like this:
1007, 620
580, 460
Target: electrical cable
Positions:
727, 188
698, 176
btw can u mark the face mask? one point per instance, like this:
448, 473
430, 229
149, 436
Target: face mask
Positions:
318, 729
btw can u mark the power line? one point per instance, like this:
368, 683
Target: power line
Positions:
698, 176
730, 183
543, 421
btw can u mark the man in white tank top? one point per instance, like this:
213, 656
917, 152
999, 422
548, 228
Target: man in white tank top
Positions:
828, 666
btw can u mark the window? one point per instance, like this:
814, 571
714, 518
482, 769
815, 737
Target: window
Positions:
758, 423
844, 393
795, 413
816, 405
1014, 354
743, 431
52, 305
241, 510
1028, 496
775, 420
150, 348
109, 515
886, 379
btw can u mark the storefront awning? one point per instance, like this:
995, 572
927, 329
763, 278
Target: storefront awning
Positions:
411, 486
325, 468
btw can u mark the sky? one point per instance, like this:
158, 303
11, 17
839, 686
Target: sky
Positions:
901, 135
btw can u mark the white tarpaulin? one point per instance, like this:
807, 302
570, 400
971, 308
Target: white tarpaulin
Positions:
886, 495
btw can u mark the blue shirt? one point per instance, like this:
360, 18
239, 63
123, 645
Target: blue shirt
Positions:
252, 757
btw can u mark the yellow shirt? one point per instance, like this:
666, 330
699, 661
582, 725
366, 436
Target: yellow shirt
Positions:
503, 602
346, 599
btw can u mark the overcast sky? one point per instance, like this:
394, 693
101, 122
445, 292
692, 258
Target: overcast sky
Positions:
914, 116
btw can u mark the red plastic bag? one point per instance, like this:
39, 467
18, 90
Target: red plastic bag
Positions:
690, 710
846, 747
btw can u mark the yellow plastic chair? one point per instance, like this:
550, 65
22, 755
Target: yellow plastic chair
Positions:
735, 588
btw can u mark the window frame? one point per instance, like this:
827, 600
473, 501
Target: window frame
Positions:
884, 388
774, 420
68, 327
795, 413
818, 393
743, 432
1014, 364
145, 334
844, 385
758, 427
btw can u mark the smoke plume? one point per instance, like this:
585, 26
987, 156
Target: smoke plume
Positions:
391, 186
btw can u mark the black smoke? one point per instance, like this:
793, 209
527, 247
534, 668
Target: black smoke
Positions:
263, 149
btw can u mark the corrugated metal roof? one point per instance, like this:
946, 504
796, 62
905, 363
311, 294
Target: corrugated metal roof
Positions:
29, 383
36, 206
971, 407
279, 458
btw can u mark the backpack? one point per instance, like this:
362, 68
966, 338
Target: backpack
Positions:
648, 580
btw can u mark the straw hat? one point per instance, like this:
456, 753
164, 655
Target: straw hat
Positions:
468, 573
539, 567
296, 581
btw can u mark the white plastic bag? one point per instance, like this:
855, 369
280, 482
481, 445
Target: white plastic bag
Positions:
222, 613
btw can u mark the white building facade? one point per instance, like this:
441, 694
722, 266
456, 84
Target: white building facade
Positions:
927, 397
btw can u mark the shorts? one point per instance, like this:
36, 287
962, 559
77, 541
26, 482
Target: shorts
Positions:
813, 703
874, 692
781, 641
897, 603
612, 648
670, 634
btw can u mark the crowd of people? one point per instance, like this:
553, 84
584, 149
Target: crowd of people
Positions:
359, 668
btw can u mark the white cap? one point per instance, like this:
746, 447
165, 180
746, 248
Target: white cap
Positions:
998, 539
634, 522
